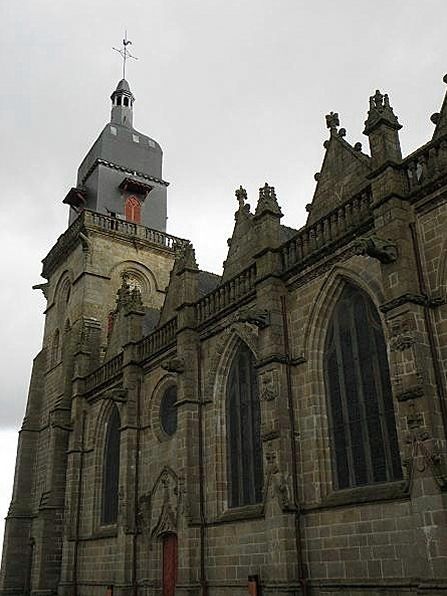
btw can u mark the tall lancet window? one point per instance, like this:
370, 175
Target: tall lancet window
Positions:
363, 428
245, 475
109, 514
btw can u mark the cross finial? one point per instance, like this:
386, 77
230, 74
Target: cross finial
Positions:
125, 53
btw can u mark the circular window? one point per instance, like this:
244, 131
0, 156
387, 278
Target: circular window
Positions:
168, 411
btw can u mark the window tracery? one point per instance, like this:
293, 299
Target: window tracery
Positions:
245, 474
362, 424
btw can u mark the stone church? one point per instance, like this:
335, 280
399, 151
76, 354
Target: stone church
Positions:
278, 430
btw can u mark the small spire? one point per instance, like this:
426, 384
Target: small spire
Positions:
380, 112
267, 201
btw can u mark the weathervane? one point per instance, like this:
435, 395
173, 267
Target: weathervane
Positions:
124, 53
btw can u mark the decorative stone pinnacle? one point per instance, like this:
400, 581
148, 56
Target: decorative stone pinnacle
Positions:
241, 196
380, 111
267, 201
332, 121
128, 298
185, 257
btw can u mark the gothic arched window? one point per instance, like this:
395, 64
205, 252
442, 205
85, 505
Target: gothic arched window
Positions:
132, 210
111, 470
168, 410
245, 475
363, 429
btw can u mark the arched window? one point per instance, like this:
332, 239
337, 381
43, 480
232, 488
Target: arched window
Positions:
168, 411
245, 475
54, 358
363, 429
111, 470
132, 210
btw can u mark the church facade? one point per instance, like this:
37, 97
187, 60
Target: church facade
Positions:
280, 429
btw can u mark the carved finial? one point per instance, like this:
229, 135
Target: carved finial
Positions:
185, 257
435, 117
316, 176
267, 201
358, 147
342, 132
128, 298
241, 196
332, 121
380, 111
308, 207
123, 293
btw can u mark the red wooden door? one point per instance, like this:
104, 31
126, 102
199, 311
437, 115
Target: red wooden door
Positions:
169, 564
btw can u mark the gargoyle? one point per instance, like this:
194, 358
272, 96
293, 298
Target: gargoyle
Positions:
176, 364
260, 318
377, 248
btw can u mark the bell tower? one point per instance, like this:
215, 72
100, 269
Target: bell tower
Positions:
121, 175
116, 233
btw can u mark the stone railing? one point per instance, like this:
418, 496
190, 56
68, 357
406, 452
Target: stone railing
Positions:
63, 245
345, 219
225, 295
92, 220
104, 373
157, 340
426, 164
112, 224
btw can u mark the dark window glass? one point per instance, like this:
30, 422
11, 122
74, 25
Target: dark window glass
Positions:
111, 469
363, 429
168, 411
244, 433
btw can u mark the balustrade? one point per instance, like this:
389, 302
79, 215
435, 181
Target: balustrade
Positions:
129, 228
158, 339
107, 371
426, 164
226, 294
342, 220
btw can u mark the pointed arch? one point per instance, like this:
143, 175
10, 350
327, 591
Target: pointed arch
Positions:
311, 344
111, 468
243, 421
215, 388
316, 328
362, 426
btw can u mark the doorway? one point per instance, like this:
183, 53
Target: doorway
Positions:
170, 563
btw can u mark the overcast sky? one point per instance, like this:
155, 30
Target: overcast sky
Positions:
234, 91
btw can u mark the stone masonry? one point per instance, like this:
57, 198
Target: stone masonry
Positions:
129, 314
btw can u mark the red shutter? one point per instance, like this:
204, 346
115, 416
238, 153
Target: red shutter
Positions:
132, 210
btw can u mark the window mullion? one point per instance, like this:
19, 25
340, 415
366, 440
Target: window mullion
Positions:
343, 397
